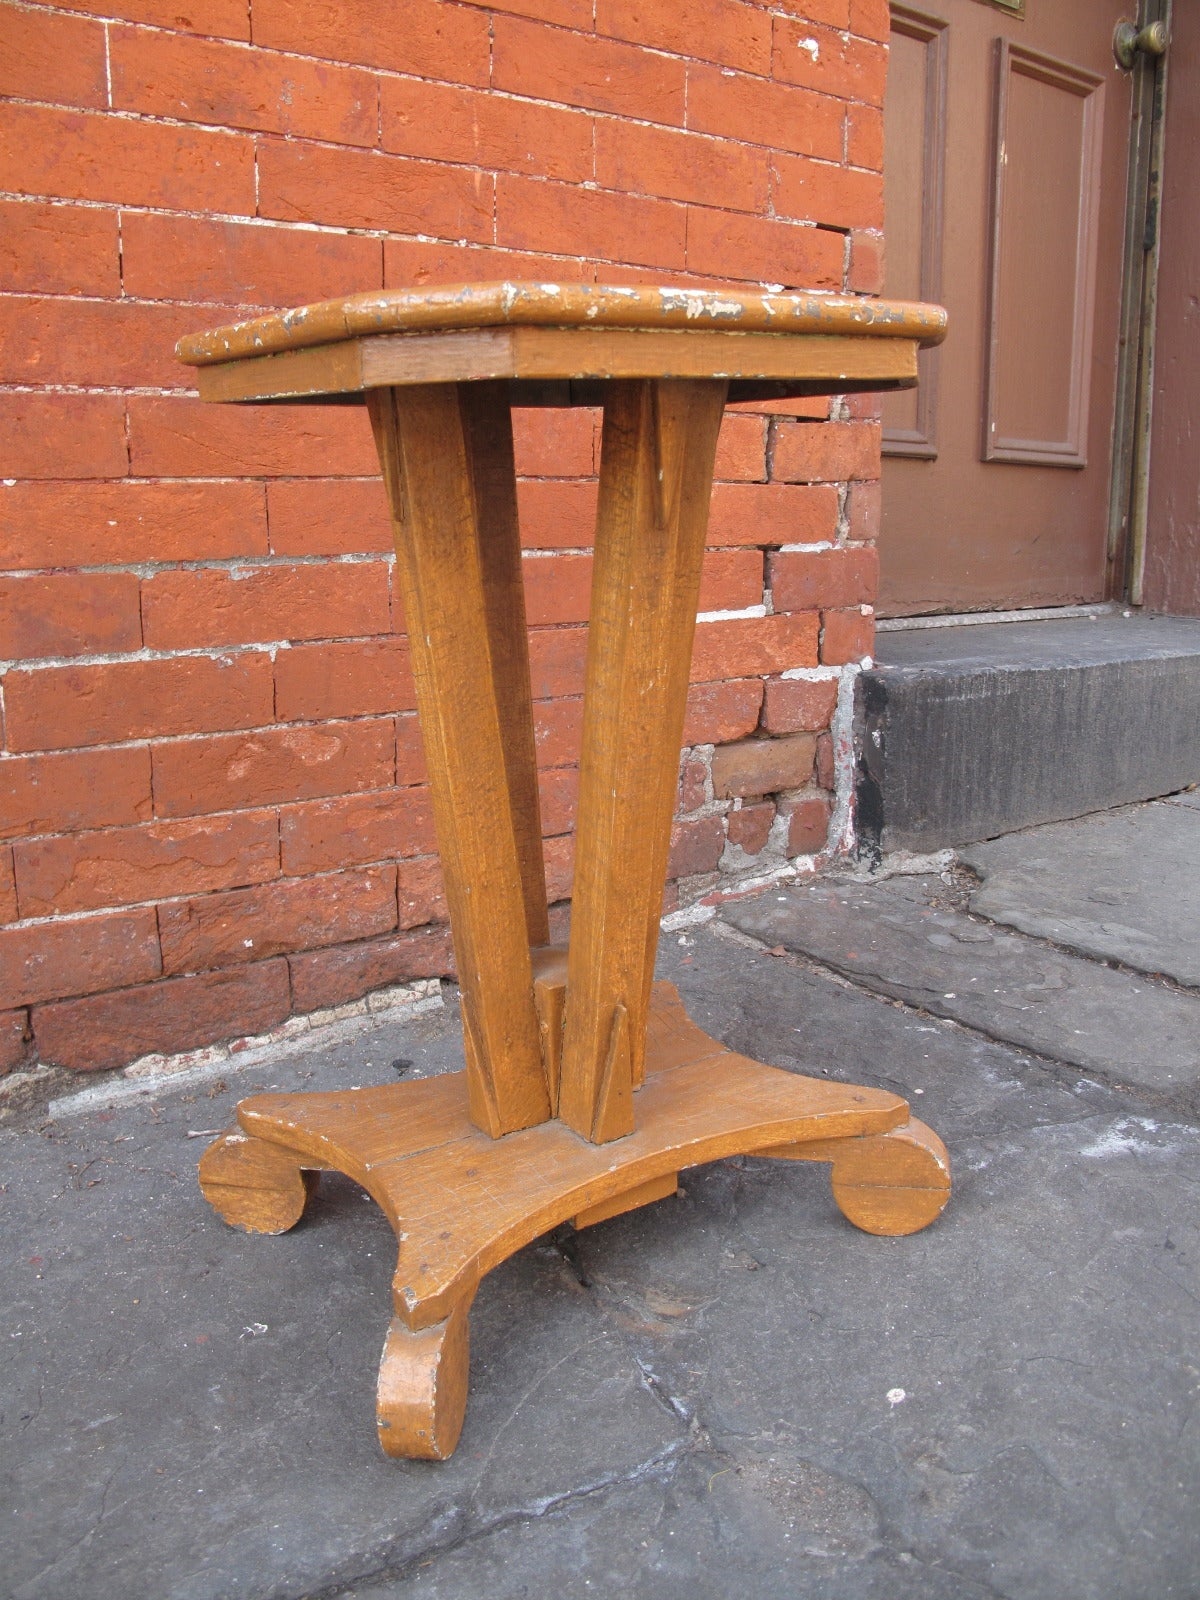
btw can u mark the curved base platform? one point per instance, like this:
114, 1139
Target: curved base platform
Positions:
462, 1202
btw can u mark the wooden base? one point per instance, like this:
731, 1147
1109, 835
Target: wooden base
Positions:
462, 1202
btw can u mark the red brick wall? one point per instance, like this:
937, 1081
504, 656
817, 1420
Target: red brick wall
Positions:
212, 809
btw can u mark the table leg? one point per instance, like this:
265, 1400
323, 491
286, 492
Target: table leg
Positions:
447, 464
660, 439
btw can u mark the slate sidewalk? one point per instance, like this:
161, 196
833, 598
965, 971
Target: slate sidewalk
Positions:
730, 1393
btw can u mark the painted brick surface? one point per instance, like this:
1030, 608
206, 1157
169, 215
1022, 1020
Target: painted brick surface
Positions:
213, 807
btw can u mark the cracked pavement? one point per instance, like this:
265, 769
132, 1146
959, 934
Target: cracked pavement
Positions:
730, 1391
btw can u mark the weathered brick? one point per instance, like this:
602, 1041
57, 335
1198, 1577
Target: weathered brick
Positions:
410, 752
54, 340
749, 826
122, 866
359, 189
556, 514
757, 111
867, 257
242, 605
69, 614
556, 661
865, 509
227, 263
201, 80
110, 1030
8, 885
846, 636
15, 1039
718, 712
557, 589
58, 249
580, 70
113, 524
558, 729
826, 775
444, 122
870, 19
741, 449
808, 827
346, 972
696, 846
693, 777
178, 437
435, 41
62, 435
825, 452
224, 19
864, 137
556, 216
220, 930
772, 513
730, 244
346, 517
90, 156
60, 708
753, 646
345, 678
354, 830
421, 891
793, 705
79, 955
558, 793
560, 869
272, 766
426, 263
817, 191
78, 789
852, 68
555, 443
723, 31
50, 57
634, 158
763, 766
803, 580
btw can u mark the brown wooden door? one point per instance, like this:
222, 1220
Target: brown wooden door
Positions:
1006, 143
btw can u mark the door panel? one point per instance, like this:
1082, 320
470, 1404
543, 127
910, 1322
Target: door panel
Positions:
995, 487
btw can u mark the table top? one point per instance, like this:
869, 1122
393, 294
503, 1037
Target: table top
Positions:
539, 333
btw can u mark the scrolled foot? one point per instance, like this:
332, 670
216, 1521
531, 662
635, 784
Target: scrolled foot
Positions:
892, 1183
253, 1184
422, 1395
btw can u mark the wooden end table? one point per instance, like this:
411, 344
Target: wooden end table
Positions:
587, 1088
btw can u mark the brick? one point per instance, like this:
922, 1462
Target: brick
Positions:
567, 13
425, 263
693, 780
845, 66
421, 892
576, 69
815, 407
870, 19
80, 789
272, 766
81, 955
634, 158
741, 449
724, 31
201, 80
90, 156
225, 19
867, 261
113, 524
556, 514
808, 827
183, 438
58, 249
69, 614
346, 517
749, 826
752, 646
444, 122
558, 791
50, 57
123, 866
436, 41
345, 678
825, 452
825, 763
793, 705
219, 930
558, 730
846, 636
806, 580
556, 661
816, 191
15, 1039
772, 513
696, 846
249, 264
242, 605
726, 244
356, 829
554, 443
610, 227
110, 1030
864, 137
759, 112
63, 436
334, 976
560, 869
8, 886
360, 189
92, 342
864, 508
411, 767
731, 580
833, 13
763, 766
60, 708
718, 712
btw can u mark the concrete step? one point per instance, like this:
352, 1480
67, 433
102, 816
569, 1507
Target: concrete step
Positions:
968, 732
